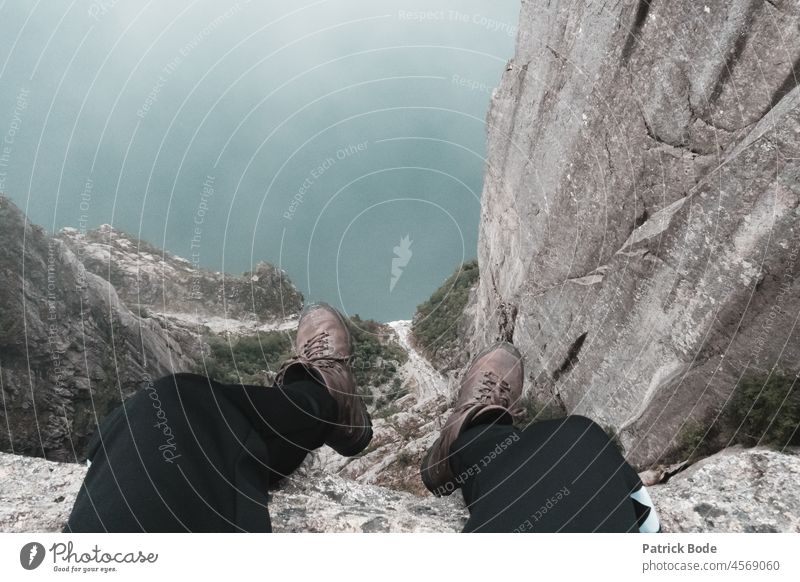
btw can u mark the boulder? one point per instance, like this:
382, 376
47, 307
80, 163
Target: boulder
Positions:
737, 490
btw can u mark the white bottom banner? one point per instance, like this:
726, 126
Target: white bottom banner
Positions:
400, 556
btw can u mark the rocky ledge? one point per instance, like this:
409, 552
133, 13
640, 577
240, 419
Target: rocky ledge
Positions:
38, 496
738, 490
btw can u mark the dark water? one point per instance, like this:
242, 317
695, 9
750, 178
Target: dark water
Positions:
343, 141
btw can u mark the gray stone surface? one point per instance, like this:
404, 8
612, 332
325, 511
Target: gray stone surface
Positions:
639, 235
331, 503
151, 278
737, 490
37, 496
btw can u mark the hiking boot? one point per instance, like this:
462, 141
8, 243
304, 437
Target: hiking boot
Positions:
323, 349
490, 389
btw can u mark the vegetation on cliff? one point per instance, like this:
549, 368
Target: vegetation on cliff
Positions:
438, 322
253, 359
762, 411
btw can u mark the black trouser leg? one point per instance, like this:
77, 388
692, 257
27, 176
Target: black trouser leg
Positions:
186, 453
557, 475
293, 420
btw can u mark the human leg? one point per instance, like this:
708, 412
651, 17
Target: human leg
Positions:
560, 475
557, 475
189, 454
186, 453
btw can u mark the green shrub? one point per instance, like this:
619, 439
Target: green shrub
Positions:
699, 438
245, 359
386, 410
762, 411
142, 311
375, 356
436, 321
765, 411
406, 459
397, 391
528, 411
533, 411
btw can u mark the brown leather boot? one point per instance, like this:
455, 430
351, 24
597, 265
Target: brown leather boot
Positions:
323, 349
490, 390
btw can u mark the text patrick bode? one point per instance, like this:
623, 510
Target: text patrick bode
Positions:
64, 553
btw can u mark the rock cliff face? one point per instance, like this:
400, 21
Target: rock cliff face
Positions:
640, 232
86, 318
153, 280
69, 348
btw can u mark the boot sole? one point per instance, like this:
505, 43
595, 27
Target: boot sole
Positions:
363, 442
438, 490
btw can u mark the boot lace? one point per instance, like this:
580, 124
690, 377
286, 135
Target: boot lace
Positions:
314, 352
491, 385
316, 347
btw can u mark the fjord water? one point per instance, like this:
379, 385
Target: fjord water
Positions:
340, 140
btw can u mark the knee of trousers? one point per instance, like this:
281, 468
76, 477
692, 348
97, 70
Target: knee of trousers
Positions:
581, 424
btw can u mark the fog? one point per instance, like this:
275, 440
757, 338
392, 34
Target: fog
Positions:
315, 135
